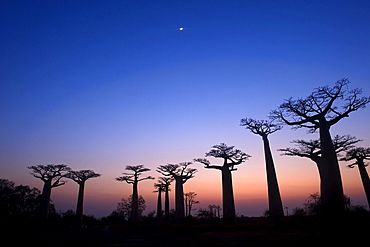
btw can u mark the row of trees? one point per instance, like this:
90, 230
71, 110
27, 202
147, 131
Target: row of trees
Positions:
52, 176
319, 111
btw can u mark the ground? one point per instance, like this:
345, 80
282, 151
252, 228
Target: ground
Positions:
247, 232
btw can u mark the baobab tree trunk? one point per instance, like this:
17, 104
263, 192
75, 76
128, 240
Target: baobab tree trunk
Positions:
45, 202
167, 205
179, 199
274, 199
159, 206
134, 216
80, 202
227, 196
319, 167
332, 197
365, 179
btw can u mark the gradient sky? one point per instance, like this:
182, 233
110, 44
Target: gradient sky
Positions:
104, 84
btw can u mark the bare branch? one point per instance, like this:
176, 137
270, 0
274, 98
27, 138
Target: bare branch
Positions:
320, 106
52, 173
260, 127
231, 156
82, 175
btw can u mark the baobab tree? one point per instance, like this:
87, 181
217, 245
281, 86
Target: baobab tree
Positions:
319, 111
133, 178
166, 181
160, 188
189, 202
312, 149
52, 176
360, 154
80, 177
231, 158
265, 128
181, 173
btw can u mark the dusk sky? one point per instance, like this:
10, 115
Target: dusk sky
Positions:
104, 84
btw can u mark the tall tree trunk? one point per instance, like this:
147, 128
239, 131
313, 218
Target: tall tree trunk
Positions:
318, 162
159, 206
332, 197
179, 198
45, 202
167, 205
365, 179
134, 216
227, 196
80, 202
274, 199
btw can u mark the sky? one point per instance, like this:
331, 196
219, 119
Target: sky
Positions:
104, 84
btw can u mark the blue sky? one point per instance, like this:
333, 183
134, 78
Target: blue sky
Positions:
103, 84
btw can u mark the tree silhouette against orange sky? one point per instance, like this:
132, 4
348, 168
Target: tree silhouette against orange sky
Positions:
231, 158
80, 177
133, 178
160, 188
360, 154
265, 128
181, 173
312, 149
52, 176
319, 112
166, 182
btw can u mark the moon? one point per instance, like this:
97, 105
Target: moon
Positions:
181, 28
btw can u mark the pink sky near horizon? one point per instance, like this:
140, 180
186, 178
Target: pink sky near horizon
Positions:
298, 178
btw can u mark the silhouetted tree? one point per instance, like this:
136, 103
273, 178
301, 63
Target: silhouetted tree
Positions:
52, 176
360, 154
166, 181
189, 202
17, 202
265, 128
312, 149
80, 177
181, 173
124, 208
160, 188
319, 112
133, 178
232, 157
212, 212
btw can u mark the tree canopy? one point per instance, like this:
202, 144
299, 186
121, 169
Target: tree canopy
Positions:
51, 172
323, 104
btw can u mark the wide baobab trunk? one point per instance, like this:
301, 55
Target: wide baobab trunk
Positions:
45, 202
80, 202
318, 162
332, 197
167, 205
227, 195
134, 216
159, 206
274, 198
365, 179
179, 199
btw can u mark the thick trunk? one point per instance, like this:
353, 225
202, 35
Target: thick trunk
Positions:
80, 202
159, 205
167, 206
134, 216
227, 195
318, 161
179, 199
45, 202
331, 182
274, 198
365, 179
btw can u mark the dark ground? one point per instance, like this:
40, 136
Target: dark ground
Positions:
302, 231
